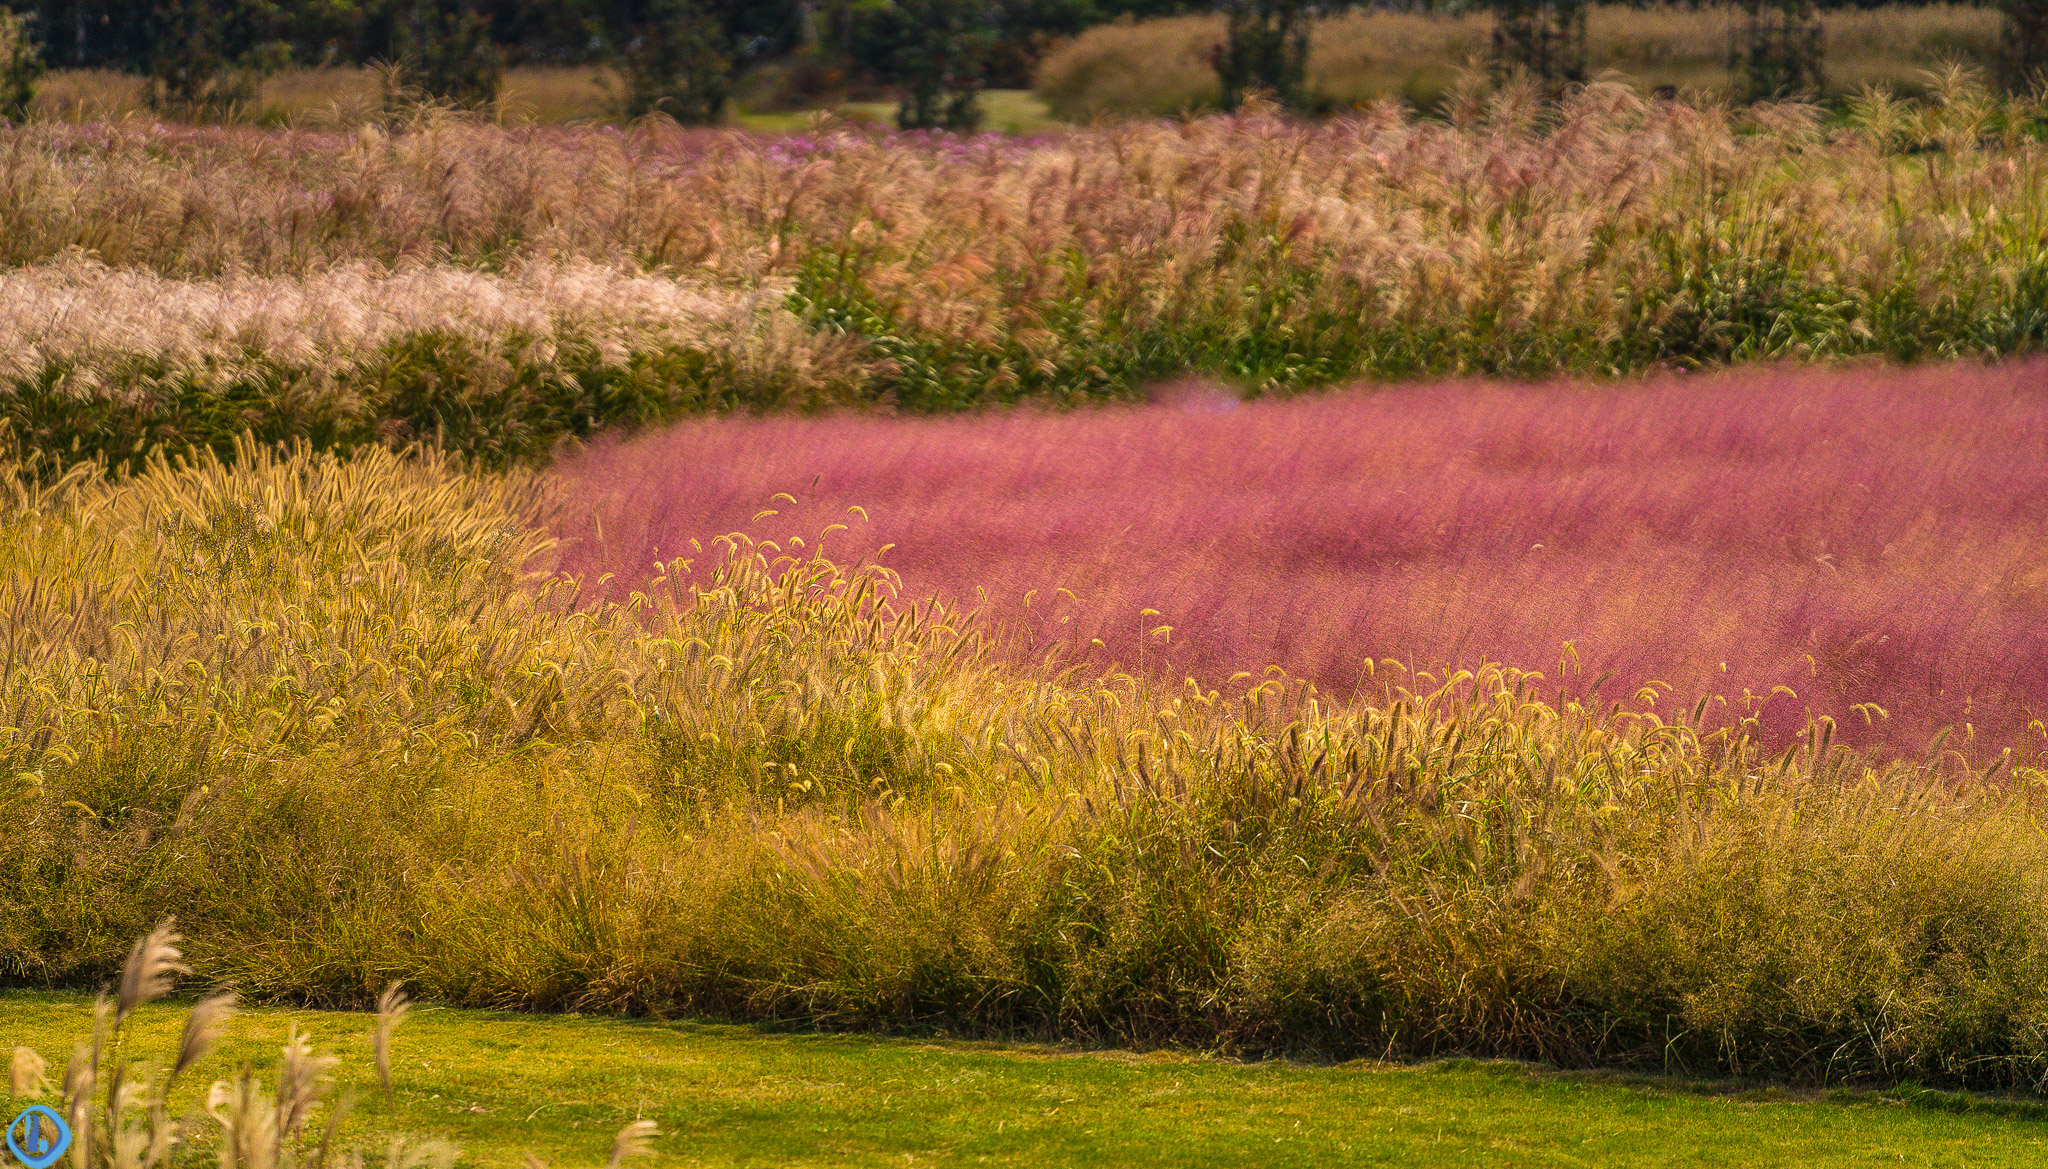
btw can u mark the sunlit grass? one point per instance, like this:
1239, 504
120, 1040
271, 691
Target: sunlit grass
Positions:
333, 714
1608, 236
500, 1086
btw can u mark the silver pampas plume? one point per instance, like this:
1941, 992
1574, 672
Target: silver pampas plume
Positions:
146, 975
391, 1008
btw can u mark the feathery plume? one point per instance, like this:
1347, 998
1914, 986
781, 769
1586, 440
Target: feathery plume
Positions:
146, 975
28, 1074
301, 1080
634, 1140
392, 1006
202, 1029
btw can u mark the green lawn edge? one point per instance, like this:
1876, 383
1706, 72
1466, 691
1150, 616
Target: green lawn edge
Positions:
559, 1086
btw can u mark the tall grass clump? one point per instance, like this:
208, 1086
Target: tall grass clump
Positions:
1606, 235
111, 363
336, 714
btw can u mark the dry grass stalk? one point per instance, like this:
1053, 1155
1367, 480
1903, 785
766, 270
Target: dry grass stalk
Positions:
634, 1140
151, 965
392, 1006
202, 1030
27, 1074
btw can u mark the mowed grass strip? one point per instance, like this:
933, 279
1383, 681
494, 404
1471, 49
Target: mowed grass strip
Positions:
501, 1085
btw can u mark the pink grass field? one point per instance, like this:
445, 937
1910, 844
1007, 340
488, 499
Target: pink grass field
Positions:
1861, 535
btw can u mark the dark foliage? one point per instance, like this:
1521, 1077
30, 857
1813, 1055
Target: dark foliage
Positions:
445, 53
1266, 50
1778, 50
1544, 38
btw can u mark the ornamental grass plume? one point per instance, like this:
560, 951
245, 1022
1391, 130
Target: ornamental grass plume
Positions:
209, 1016
1605, 234
118, 1106
27, 1074
147, 974
1772, 538
392, 1006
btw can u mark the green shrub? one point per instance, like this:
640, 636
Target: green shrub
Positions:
445, 54
677, 63
21, 66
1265, 49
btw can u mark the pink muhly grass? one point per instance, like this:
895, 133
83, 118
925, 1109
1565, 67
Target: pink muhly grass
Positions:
1863, 535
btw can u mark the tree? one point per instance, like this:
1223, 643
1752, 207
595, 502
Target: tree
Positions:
677, 61
1778, 52
206, 57
679, 57
445, 53
21, 66
935, 52
2025, 56
1544, 38
1265, 48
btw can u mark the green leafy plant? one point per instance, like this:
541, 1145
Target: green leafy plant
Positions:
1778, 49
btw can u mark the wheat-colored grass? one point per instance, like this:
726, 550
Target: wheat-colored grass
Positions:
333, 96
96, 321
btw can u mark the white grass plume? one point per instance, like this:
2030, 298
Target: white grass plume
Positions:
202, 1029
28, 1075
392, 1006
146, 975
634, 1140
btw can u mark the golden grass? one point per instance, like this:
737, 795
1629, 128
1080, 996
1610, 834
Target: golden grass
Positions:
336, 96
326, 712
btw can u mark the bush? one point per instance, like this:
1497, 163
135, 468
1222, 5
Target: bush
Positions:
934, 52
445, 54
1779, 53
21, 66
326, 712
677, 63
196, 70
1544, 38
2025, 55
1265, 50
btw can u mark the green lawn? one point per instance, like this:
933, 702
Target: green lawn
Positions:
500, 1085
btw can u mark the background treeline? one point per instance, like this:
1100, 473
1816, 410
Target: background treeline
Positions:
132, 34
685, 58
126, 34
